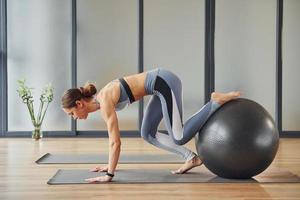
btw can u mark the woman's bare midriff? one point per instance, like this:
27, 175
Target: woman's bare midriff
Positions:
136, 83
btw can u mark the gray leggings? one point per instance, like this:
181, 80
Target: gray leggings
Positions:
166, 102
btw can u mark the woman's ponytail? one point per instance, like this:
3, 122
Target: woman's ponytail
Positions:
88, 90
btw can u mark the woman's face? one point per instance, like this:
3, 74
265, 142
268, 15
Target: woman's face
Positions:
79, 111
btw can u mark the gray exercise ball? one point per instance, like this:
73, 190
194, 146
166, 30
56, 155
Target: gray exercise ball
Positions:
239, 140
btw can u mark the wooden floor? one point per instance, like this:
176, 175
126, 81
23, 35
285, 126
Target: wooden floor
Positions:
21, 178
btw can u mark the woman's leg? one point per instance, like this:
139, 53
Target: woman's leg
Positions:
152, 117
171, 102
168, 88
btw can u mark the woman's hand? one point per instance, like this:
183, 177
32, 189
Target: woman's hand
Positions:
99, 169
99, 179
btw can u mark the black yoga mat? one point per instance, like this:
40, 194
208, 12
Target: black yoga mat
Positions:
101, 158
78, 176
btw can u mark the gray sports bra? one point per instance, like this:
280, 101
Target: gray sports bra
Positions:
124, 100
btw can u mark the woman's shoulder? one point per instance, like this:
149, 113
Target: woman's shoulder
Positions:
110, 92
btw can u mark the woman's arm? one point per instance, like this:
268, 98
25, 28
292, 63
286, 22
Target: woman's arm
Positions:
110, 117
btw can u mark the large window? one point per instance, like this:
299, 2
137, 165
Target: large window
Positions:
291, 66
173, 40
107, 37
245, 49
39, 50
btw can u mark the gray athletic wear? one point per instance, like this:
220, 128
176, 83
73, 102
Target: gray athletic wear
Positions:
123, 100
166, 103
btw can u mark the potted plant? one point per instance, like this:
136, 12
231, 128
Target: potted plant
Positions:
46, 97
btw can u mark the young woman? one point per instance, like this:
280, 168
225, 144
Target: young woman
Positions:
165, 103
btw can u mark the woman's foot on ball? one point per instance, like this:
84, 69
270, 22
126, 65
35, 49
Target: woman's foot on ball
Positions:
222, 98
188, 165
